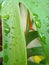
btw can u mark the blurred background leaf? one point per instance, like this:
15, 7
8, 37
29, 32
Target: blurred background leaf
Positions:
35, 51
32, 63
30, 36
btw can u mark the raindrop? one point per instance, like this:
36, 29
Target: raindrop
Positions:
5, 46
43, 38
38, 23
6, 17
7, 31
35, 15
6, 58
48, 30
6, 28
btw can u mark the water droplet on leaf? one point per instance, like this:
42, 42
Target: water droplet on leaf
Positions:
7, 31
6, 17
38, 23
35, 15
37, 20
6, 28
43, 38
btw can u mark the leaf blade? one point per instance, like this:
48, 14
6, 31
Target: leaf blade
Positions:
35, 51
14, 45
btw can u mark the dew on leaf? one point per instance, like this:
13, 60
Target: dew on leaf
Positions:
7, 31
35, 15
6, 17
6, 58
6, 28
38, 24
43, 38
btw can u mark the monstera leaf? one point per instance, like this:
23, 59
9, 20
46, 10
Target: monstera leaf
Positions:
14, 44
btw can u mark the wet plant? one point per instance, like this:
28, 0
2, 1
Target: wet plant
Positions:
14, 45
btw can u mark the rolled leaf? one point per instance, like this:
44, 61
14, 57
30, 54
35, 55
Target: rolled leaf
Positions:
13, 40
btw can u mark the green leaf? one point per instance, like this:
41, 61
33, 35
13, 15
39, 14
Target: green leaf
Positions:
13, 38
39, 10
1, 4
40, 14
32, 63
44, 61
35, 51
31, 36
